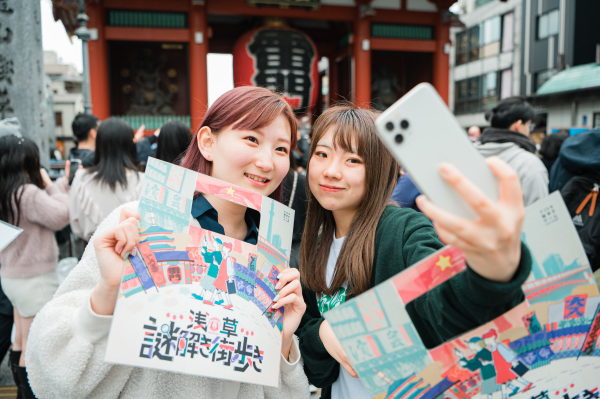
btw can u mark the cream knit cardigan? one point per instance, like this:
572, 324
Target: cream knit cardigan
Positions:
67, 342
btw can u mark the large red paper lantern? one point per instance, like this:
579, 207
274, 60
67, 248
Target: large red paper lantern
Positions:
281, 59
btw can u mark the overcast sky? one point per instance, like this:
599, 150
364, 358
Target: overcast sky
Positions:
55, 38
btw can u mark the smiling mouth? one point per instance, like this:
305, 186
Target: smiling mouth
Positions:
256, 178
330, 189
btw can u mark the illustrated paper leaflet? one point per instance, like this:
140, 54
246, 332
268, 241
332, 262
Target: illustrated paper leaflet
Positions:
198, 302
547, 347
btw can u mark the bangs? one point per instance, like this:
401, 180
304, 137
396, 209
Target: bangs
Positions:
353, 130
270, 111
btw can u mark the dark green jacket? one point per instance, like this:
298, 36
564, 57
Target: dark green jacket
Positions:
403, 238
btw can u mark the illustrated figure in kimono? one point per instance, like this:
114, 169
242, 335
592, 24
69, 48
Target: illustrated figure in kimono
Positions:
481, 361
224, 278
508, 369
213, 259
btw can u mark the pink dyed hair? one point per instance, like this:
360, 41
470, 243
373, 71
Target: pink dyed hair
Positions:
258, 107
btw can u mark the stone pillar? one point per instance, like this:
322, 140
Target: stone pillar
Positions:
22, 71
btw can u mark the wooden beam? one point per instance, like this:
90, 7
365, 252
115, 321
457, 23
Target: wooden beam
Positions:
236, 7
420, 46
148, 5
147, 34
404, 17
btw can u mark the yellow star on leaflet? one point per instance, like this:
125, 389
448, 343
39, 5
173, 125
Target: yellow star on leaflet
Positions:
444, 262
230, 191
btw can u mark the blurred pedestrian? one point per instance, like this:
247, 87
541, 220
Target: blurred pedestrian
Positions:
578, 154
173, 140
508, 138
474, 133
551, 146
32, 202
405, 193
145, 146
581, 153
85, 127
113, 180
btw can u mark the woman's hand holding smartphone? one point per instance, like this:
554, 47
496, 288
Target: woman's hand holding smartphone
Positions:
491, 243
476, 205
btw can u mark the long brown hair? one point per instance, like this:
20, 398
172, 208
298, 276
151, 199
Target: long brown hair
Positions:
257, 106
355, 261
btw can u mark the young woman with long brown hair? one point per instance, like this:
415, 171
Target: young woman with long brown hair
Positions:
245, 139
355, 239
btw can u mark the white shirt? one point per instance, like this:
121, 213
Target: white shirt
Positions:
346, 386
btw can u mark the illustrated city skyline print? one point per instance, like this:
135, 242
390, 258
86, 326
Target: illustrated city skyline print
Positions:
547, 347
195, 301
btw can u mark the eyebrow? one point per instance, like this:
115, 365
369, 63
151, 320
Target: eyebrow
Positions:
327, 145
279, 139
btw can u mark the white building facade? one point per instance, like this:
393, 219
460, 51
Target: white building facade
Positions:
485, 59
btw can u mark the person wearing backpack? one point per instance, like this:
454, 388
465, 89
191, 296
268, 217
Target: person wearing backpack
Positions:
580, 192
577, 155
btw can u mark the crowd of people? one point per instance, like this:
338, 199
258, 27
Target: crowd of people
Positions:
359, 220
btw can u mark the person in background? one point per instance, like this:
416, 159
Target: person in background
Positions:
85, 127
145, 146
113, 180
32, 202
551, 146
173, 141
294, 195
508, 138
474, 133
405, 193
577, 155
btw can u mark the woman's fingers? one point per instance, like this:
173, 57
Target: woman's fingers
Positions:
472, 195
349, 369
127, 213
131, 234
287, 275
120, 238
510, 185
292, 299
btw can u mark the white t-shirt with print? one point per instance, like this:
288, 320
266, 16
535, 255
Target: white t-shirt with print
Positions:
346, 386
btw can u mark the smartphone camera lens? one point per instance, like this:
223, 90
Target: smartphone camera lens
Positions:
404, 124
389, 126
399, 138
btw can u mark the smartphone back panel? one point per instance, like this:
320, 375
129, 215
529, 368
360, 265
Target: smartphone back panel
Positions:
421, 133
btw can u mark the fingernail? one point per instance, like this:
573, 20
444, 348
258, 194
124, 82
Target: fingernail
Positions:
276, 298
278, 276
446, 169
275, 306
126, 255
278, 286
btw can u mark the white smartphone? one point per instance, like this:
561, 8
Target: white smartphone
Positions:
421, 133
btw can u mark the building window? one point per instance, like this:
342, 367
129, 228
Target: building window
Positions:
476, 94
547, 24
489, 88
507, 31
491, 37
506, 84
467, 48
542, 77
58, 118
596, 120
485, 39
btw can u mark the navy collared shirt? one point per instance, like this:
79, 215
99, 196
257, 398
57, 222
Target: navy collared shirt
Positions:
208, 218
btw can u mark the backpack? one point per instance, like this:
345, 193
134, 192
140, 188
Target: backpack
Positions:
581, 197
